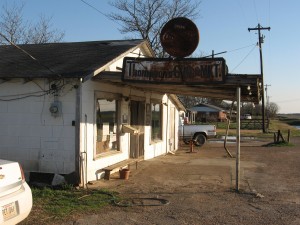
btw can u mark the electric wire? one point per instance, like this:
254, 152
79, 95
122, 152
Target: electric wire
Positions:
23, 97
33, 94
269, 13
93, 7
237, 49
28, 54
243, 12
244, 59
254, 3
30, 93
245, 19
37, 85
289, 100
233, 50
14, 97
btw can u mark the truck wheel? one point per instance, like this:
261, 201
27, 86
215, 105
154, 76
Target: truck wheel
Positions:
200, 139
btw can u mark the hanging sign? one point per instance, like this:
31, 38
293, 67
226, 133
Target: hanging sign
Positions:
182, 71
179, 37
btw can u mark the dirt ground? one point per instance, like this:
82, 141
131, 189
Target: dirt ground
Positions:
200, 188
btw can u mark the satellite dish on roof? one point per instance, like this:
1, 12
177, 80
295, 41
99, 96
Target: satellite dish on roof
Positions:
179, 37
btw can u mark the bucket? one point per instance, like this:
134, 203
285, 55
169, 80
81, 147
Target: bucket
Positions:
124, 174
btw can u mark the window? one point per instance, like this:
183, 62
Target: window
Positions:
106, 119
156, 121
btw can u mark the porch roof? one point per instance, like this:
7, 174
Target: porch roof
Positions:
224, 91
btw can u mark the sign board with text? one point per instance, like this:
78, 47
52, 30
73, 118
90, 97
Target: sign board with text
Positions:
174, 71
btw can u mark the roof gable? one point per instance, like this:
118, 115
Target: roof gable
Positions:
202, 107
76, 59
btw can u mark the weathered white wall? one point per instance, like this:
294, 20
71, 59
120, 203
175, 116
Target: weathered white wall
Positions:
154, 149
28, 132
43, 143
88, 128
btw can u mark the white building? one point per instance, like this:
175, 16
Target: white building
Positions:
57, 114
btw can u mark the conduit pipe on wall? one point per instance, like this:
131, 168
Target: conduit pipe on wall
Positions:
83, 155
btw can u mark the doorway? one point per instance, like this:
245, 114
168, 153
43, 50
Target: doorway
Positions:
137, 120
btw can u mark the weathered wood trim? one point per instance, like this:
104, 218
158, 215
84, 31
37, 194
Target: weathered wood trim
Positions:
226, 91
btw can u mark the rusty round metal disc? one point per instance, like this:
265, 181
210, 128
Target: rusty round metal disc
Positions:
179, 37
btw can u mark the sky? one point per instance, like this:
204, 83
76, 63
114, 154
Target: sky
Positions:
223, 26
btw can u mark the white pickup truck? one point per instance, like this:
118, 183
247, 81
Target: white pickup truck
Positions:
197, 133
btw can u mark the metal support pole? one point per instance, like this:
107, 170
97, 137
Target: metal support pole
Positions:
238, 135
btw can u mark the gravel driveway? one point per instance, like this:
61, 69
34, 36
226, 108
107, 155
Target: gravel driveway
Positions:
199, 188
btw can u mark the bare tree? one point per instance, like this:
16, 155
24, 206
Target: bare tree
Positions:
11, 24
16, 29
145, 18
42, 32
190, 101
272, 109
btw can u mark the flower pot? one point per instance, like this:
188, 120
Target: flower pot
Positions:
124, 174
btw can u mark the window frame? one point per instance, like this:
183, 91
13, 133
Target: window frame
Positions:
160, 133
107, 96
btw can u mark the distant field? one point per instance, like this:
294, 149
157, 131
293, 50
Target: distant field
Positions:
292, 115
283, 122
291, 119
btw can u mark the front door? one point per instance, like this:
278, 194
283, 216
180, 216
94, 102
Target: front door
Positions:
137, 118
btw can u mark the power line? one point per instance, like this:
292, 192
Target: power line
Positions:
30, 93
237, 49
41, 64
28, 54
289, 100
18, 98
254, 3
244, 58
93, 7
233, 50
269, 12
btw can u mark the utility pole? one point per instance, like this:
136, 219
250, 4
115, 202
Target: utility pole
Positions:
266, 89
268, 104
260, 41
